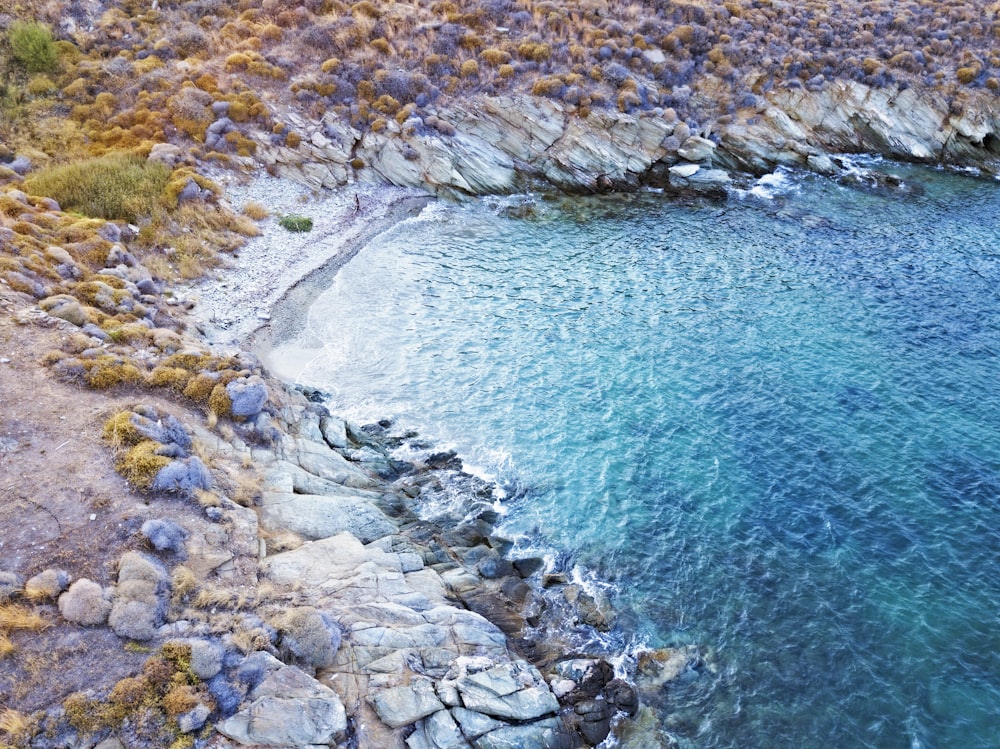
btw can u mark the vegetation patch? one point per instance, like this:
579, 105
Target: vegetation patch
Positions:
32, 45
295, 223
118, 186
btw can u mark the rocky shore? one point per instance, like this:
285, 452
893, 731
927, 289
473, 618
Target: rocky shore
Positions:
509, 143
262, 577
265, 579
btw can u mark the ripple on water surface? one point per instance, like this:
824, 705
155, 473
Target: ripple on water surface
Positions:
772, 423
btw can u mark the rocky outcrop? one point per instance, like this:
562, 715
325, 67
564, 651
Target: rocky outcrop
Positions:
502, 144
798, 127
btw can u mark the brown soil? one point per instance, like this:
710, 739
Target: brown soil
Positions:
62, 506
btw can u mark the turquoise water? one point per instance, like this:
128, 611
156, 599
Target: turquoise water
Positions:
770, 423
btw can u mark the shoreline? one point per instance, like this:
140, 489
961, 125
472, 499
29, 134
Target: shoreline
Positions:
280, 270
547, 618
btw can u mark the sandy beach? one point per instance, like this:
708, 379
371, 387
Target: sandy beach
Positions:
263, 294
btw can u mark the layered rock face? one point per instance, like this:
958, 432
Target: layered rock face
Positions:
503, 144
798, 127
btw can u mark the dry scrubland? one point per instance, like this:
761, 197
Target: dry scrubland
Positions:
90, 79
87, 89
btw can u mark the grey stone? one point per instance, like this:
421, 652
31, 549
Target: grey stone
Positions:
95, 332
248, 395
85, 603
403, 705
10, 584
165, 535
512, 691
543, 734
334, 431
684, 171
190, 191
317, 516
475, 724
47, 584
118, 255
183, 476
193, 719
21, 165
287, 708
696, 148
206, 657
437, 731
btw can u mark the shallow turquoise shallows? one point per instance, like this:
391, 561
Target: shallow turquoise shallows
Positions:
772, 424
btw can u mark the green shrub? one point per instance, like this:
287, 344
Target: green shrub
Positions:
119, 186
32, 46
293, 222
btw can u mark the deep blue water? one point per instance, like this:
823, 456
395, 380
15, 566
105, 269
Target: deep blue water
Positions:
772, 423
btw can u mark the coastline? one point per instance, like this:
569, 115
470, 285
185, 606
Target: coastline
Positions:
547, 619
280, 270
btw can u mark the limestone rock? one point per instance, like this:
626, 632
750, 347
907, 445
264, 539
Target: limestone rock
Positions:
403, 705
696, 149
65, 307
248, 396
542, 734
317, 516
287, 708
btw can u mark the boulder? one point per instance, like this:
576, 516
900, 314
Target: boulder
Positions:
695, 148
248, 396
317, 516
438, 731
193, 719
287, 708
542, 734
512, 691
21, 165
475, 724
403, 705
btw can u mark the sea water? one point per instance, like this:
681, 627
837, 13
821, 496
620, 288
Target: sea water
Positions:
771, 423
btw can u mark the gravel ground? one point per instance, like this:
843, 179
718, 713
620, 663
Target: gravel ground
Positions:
266, 289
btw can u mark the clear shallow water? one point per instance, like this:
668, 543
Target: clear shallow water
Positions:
773, 424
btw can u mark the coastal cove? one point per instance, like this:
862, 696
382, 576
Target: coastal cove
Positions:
499, 374
753, 410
